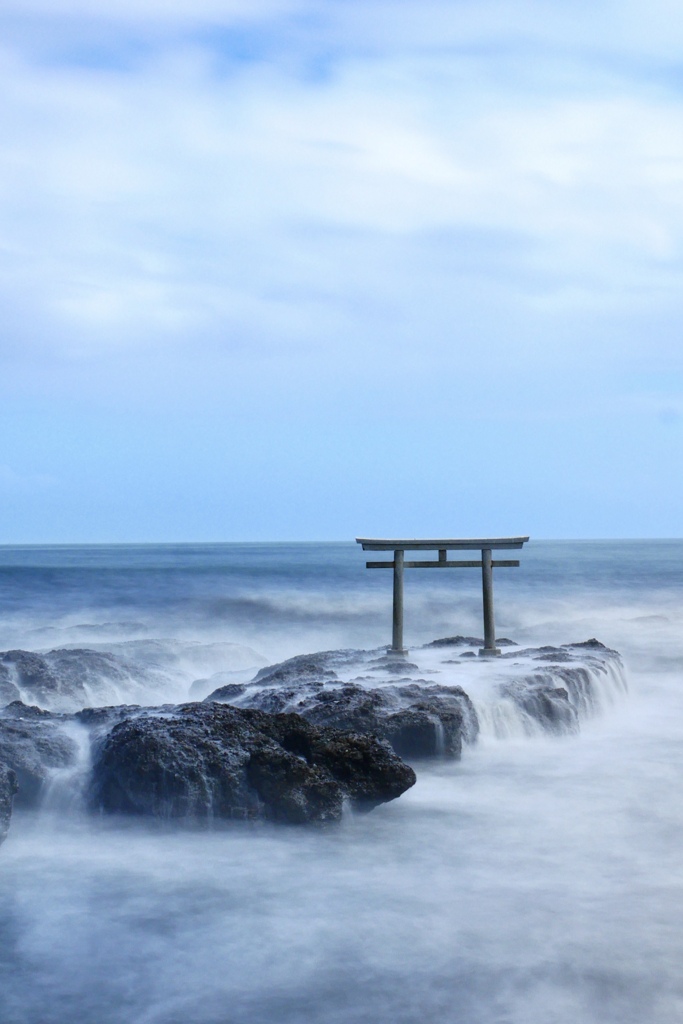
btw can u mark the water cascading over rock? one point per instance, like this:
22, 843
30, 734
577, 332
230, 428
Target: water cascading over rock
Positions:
418, 705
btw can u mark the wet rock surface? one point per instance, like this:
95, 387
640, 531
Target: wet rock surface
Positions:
377, 693
8, 788
417, 717
565, 688
211, 760
417, 720
469, 641
200, 761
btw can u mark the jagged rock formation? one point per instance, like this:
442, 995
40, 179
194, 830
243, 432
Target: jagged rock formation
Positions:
201, 761
416, 720
212, 760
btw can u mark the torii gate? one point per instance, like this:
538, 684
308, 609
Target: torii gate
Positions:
485, 545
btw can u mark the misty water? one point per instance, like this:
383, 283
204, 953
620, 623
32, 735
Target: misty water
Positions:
537, 880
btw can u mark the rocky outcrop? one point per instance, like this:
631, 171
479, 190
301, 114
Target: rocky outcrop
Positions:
469, 641
416, 717
8, 788
376, 693
198, 761
202, 761
299, 739
306, 667
417, 720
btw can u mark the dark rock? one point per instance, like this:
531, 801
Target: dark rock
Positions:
102, 719
200, 687
396, 666
202, 761
303, 666
17, 709
273, 700
33, 743
296, 741
457, 641
469, 641
591, 645
367, 771
554, 656
229, 692
291, 789
423, 720
417, 719
8, 788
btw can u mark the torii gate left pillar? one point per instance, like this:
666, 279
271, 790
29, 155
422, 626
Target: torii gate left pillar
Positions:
485, 545
397, 618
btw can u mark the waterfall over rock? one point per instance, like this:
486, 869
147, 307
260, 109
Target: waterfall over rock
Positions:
441, 696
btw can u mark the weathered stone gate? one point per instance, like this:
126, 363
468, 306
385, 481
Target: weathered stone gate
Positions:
486, 545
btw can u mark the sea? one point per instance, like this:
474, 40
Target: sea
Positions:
538, 880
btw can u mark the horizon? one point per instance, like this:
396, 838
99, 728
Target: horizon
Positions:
226, 543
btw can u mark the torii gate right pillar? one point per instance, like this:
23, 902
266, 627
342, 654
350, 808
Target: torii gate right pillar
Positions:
489, 650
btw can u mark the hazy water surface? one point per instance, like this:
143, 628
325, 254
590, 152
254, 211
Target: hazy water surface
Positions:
536, 881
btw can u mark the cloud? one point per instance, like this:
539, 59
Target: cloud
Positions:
296, 197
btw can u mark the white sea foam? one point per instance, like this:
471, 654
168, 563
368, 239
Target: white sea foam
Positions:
65, 790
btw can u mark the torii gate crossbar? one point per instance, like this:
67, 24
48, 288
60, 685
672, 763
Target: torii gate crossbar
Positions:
443, 545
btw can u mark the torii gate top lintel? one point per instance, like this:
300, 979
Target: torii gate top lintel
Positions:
484, 544
448, 544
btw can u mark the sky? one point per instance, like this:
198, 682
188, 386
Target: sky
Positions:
312, 269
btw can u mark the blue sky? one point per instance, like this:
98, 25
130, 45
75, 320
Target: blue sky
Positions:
306, 270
